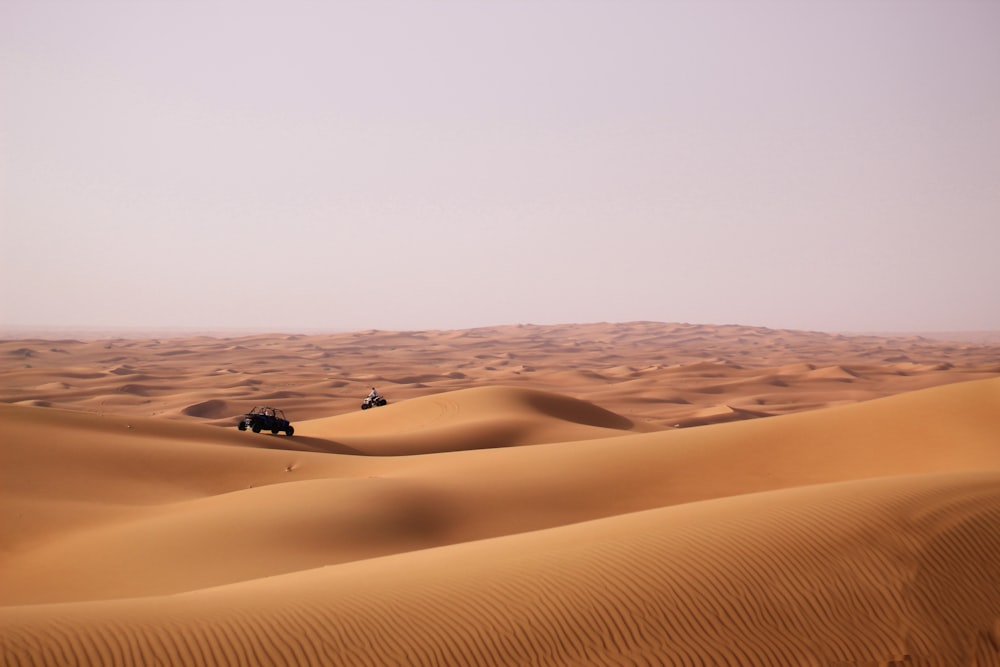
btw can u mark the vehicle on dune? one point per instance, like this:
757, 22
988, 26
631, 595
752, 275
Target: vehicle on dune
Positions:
373, 402
265, 418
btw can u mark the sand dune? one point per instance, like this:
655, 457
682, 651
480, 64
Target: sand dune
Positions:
489, 517
878, 572
485, 417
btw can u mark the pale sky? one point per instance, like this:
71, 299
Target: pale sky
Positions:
828, 164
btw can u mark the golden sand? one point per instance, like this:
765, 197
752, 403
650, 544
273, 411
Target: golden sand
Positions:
635, 493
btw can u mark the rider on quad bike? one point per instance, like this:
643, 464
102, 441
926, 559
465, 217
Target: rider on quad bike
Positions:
373, 400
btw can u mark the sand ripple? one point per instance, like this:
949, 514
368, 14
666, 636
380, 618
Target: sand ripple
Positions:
869, 572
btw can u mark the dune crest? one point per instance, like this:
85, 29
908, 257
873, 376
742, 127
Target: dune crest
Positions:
479, 418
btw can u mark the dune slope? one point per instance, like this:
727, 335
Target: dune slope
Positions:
884, 571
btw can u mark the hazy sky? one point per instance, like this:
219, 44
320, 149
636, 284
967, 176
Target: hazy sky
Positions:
394, 164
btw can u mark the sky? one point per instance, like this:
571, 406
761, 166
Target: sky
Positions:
340, 165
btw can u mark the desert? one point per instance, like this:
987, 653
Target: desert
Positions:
607, 493
500, 333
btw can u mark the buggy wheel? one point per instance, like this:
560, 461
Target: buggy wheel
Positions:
274, 431
242, 426
289, 431
256, 428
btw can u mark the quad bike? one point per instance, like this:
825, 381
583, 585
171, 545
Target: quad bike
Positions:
265, 419
373, 402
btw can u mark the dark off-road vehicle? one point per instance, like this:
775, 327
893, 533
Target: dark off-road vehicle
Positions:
265, 419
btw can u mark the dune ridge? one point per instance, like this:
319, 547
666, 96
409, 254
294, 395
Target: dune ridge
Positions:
478, 418
500, 520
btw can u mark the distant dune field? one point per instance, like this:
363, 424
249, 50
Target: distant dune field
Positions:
637, 493
665, 374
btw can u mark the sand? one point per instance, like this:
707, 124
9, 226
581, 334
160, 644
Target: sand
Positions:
637, 493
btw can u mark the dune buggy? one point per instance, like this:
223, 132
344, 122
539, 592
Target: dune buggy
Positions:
265, 419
